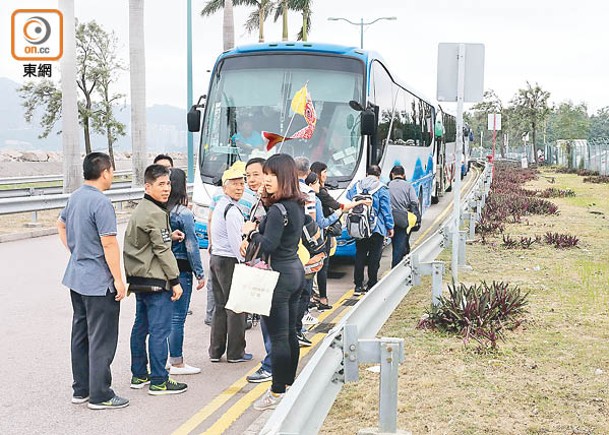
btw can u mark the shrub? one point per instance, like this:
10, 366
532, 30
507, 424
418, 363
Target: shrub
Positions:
597, 179
480, 312
561, 241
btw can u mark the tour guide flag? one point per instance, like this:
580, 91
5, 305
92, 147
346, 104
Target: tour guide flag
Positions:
302, 105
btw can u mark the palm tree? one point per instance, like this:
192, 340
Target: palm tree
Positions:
257, 17
304, 6
137, 76
69, 102
228, 28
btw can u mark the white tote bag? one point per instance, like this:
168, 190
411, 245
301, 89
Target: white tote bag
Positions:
252, 290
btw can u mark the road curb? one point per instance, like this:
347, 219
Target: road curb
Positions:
41, 232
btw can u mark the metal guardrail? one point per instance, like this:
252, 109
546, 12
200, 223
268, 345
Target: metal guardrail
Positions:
307, 403
51, 190
46, 178
49, 202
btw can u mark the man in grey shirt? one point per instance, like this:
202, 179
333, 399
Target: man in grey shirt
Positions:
228, 327
404, 199
87, 228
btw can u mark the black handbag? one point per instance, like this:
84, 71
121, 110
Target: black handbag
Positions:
336, 229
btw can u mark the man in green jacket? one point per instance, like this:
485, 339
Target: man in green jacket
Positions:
153, 275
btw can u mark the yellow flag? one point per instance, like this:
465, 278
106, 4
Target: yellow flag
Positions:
300, 100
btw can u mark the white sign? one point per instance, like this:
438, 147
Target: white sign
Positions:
494, 121
448, 56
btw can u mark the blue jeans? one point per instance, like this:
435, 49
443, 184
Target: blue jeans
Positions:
266, 362
153, 313
400, 245
180, 309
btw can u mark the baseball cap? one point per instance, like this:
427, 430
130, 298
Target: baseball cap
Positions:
237, 170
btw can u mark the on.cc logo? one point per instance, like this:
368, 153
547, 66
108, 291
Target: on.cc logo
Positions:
36, 30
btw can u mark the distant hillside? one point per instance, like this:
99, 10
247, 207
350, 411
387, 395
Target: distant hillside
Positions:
166, 127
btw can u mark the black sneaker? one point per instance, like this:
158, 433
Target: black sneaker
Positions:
138, 383
249, 322
260, 375
359, 290
303, 341
323, 307
114, 403
168, 387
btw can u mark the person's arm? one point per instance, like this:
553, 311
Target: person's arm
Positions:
61, 231
327, 200
385, 208
192, 246
325, 222
234, 223
112, 255
212, 206
270, 240
105, 221
310, 205
162, 250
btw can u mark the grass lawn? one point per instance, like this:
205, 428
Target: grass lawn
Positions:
550, 376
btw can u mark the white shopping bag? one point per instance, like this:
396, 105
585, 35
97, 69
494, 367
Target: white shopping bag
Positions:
252, 290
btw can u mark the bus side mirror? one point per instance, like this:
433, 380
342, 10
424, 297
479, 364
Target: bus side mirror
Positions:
194, 119
368, 122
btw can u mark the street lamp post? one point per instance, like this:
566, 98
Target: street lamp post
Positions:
361, 25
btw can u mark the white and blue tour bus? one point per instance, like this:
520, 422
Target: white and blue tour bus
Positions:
365, 116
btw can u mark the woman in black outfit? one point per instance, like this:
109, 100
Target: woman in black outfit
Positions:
278, 236
329, 205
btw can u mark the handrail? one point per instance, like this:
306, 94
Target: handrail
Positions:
46, 178
307, 403
50, 202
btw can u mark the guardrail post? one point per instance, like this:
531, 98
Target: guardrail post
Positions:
436, 281
462, 240
436, 270
389, 353
391, 348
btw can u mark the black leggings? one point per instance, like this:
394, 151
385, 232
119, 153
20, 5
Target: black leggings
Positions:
322, 279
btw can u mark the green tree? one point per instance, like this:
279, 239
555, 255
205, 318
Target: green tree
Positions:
569, 121
478, 117
96, 58
530, 109
46, 95
599, 125
87, 74
107, 65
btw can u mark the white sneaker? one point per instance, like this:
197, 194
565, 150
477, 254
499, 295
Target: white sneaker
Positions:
269, 400
186, 370
308, 319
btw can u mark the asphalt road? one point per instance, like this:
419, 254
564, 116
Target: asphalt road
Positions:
36, 318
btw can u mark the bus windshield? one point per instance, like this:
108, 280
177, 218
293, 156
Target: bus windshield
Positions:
252, 93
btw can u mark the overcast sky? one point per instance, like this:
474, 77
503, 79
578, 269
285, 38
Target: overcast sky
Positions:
562, 45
